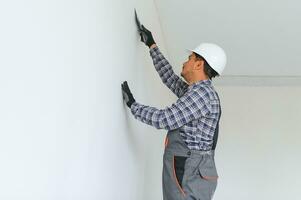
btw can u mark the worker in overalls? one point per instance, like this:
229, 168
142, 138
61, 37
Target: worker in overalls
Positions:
189, 171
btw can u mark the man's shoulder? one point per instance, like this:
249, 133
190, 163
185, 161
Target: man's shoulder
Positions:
206, 91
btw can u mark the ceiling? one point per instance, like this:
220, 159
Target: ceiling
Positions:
261, 38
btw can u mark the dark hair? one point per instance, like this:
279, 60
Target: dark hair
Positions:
211, 73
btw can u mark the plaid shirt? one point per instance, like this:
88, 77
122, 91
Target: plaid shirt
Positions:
195, 113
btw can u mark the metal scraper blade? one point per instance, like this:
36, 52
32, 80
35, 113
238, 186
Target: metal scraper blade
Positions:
138, 22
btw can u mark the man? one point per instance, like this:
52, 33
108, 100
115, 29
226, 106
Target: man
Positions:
189, 170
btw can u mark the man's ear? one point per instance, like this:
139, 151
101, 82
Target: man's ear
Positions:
199, 64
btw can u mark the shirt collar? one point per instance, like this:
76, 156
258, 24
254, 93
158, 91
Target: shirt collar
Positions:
201, 82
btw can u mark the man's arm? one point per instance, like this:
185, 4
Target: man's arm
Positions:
166, 73
153, 46
192, 105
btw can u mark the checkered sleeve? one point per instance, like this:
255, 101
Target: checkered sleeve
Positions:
166, 73
190, 106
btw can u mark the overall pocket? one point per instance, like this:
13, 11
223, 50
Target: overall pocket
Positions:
179, 170
207, 169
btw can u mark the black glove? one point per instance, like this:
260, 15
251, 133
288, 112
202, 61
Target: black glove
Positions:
146, 36
127, 95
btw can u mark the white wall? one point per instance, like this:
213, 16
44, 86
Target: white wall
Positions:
258, 155
65, 131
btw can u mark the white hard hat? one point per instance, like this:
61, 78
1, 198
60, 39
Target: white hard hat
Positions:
213, 54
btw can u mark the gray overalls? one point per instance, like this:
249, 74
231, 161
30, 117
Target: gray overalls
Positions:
188, 174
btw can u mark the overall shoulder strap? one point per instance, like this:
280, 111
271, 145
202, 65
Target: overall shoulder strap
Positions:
215, 137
